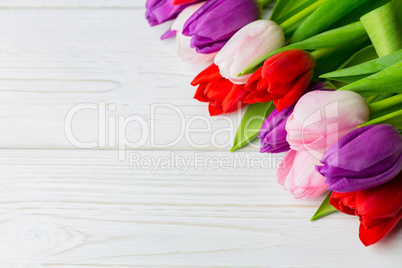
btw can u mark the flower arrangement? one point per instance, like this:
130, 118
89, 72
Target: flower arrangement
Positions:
325, 76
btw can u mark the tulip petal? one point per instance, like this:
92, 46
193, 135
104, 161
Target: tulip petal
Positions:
296, 91
344, 202
260, 97
253, 81
234, 100
365, 158
382, 201
209, 74
372, 235
213, 24
321, 118
297, 174
287, 65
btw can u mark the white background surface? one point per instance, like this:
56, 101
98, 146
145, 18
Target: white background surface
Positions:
61, 206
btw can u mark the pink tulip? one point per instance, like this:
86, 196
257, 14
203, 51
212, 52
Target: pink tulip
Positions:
250, 43
298, 175
321, 118
184, 50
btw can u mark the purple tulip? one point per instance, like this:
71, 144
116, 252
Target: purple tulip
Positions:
366, 157
159, 11
215, 22
273, 132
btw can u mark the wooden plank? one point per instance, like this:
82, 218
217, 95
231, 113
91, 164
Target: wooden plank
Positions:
69, 208
53, 61
71, 4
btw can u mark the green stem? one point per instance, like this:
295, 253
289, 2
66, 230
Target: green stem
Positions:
316, 54
396, 114
263, 3
384, 104
370, 99
301, 15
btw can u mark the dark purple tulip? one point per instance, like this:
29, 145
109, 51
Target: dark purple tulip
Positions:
216, 21
159, 11
273, 132
366, 157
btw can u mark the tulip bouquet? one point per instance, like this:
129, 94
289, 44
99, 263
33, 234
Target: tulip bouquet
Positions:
322, 81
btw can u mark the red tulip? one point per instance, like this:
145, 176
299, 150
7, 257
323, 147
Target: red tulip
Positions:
379, 209
223, 96
282, 79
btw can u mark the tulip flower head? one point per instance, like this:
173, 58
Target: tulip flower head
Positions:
297, 174
223, 96
282, 79
159, 11
379, 209
367, 157
321, 118
250, 43
217, 21
184, 50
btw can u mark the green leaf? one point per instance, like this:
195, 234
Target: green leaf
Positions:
251, 123
365, 69
366, 54
335, 58
324, 209
332, 38
384, 106
323, 17
377, 98
357, 13
305, 4
283, 7
388, 80
299, 16
384, 26
385, 112
278, 9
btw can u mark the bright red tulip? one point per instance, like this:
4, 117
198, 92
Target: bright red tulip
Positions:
223, 96
379, 209
282, 79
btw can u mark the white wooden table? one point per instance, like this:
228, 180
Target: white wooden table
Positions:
63, 206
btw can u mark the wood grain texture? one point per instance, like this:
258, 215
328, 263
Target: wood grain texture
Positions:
86, 209
67, 207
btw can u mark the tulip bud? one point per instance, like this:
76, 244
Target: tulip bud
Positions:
297, 174
321, 118
223, 96
250, 43
367, 157
215, 22
184, 50
379, 209
282, 79
273, 132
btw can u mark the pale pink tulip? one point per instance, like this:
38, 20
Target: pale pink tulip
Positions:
321, 118
250, 43
184, 50
298, 175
